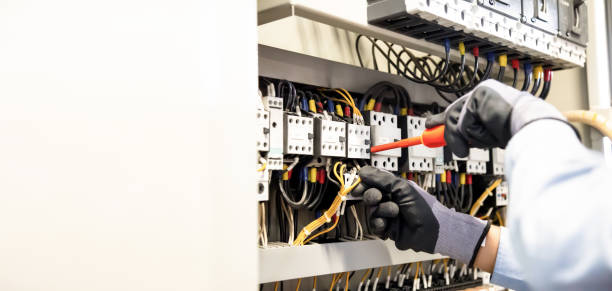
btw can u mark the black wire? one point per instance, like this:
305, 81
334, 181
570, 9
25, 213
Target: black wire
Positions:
500, 75
545, 90
488, 68
527, 81
515, 77
536, 86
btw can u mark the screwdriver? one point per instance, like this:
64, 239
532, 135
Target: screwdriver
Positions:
432, 138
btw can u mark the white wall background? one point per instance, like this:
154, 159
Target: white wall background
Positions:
117, 171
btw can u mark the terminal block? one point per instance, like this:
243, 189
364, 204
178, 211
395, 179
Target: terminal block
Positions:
330, 138
384, 130
263, 130
415, 158
276, 132
524, 30
497, 161
299, 135
358, 141
501, 194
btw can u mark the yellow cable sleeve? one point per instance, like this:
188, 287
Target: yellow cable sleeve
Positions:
462, 48
483, 196
538, 72
503, 60
501, 221
312, 175
339, 110
276, 286
312, 106
593, 119
443, 177
379, 272
370, 105
462, 178
314, 283
285, 173
403, 111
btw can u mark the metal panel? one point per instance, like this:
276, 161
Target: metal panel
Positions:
284, 263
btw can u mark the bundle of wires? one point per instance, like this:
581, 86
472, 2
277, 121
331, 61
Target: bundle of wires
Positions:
304, 235
374, 99
304, 190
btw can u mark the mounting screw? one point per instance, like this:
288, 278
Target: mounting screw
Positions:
492, 2
523, 19
533, 19
568, 34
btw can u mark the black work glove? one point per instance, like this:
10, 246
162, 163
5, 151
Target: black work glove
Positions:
489, 116
414, 219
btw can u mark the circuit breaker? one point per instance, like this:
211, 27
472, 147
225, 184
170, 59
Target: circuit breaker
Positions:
501, 194
262, 133
497, 161
276, 132
416, 158
263, 181
330, 138
383, 127
299, 135
476, 161
358, 141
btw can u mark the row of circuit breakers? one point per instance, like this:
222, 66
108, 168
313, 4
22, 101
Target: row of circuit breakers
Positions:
282, 134
552, 33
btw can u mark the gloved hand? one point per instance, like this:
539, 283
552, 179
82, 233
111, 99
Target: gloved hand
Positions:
489, 116
414, 219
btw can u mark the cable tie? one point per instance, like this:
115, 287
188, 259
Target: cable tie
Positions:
327, 219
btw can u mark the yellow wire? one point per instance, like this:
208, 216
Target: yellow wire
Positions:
379, 272
389, 271
299, 282
445, 265
276, 286
347, 282
263, 167
323, 232
314, 283
315, 224
416, 274
501, 221
333, 282
484, 195
365, 275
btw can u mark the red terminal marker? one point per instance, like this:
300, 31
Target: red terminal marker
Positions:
432, 138
547, 75
515, 64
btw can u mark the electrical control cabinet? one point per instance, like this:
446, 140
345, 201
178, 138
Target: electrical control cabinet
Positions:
358, 141
501, 194
276, 132
497, 161
262, 134
491, 25
573, 24
383, 128
416, 158
329, 138
299, 135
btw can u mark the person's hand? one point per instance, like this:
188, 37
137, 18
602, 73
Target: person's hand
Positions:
489, 116
414, 219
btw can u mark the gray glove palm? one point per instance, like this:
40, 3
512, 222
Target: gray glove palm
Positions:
489, 116
414, 219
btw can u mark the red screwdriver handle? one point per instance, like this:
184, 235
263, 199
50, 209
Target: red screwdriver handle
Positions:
433, 138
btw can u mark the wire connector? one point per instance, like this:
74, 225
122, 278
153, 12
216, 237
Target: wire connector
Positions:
447, 45
538, 72
547, 75
528, 68
491, 57
462, 48
475, 51
515, 64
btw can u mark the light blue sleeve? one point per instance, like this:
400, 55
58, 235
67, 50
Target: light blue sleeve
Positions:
559, 234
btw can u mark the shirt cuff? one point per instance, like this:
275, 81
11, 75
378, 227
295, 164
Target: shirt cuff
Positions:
507, 272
